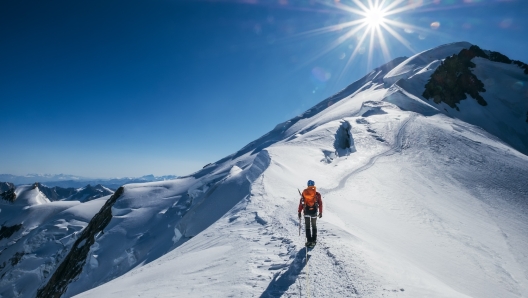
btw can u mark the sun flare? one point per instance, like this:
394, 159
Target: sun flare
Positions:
374, 17
373, 26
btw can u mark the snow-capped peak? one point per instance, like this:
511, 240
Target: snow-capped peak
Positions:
426, 59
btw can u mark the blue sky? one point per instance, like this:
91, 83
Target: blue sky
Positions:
128, 88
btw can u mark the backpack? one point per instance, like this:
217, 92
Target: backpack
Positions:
309, 195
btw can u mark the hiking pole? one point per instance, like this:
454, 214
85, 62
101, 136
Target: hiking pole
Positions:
299, 227
299, 217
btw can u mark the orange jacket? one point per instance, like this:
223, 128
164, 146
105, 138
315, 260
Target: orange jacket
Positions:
317, 198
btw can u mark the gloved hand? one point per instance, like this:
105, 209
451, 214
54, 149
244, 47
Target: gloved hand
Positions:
320, 215
299, 214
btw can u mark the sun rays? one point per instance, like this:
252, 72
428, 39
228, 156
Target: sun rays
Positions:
371, 27
374, 25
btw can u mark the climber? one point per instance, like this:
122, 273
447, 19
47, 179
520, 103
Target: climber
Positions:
310, 203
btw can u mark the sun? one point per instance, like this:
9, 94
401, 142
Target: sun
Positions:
373, 26
374, 17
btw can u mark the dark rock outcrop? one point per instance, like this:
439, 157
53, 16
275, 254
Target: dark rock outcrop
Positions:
9, 195
4, 186
521, 65
73, 263
498, 57
8, 231
17, 257
453, 79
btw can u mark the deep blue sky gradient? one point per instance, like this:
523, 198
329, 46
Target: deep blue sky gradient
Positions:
127, 88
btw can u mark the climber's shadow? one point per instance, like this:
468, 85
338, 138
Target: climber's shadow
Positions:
281, 283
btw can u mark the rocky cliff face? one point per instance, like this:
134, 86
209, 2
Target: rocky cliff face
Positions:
7, 191
73, 263
8, 231
453, 79
6, 186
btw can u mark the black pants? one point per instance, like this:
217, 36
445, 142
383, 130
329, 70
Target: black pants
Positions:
311, 233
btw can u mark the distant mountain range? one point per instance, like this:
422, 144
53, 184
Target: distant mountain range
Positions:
82, 194
67, 181
11, 193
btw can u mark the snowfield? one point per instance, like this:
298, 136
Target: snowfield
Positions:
420, 200
433, 211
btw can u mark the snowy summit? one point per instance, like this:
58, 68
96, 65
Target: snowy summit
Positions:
422, 167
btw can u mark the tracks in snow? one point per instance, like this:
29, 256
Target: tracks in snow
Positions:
397, 147
327, 272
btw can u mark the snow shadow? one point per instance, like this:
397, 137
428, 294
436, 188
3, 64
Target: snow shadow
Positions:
344, 142
282, 282
374, 111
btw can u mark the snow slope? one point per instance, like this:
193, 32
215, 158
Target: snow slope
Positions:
35, 236
401, 219
418, 202
423, 61
422, 204
506, 85
30, 195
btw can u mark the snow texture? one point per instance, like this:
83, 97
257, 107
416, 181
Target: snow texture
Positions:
427, 204
419, 201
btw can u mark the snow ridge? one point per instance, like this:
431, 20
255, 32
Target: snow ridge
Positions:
420, 200
418, 181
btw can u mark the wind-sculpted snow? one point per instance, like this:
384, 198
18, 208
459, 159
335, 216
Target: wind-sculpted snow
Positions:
423, 61
36, 234
287, 129
72, 265
149, 220
28, 195
37, 237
